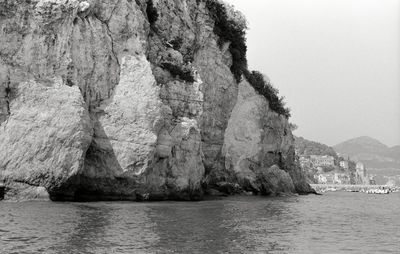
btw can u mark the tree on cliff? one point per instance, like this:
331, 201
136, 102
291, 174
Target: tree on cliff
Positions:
230, 26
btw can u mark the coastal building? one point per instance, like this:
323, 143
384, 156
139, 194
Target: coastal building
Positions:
344, 164
372, 181
321, 179
361, 174
360, 167
362, 180
305, 161
330, 179
325, 178
322, 160
341, 178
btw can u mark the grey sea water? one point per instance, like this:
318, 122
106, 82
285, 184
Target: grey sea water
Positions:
333, 223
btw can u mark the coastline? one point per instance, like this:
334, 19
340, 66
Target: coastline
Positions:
321, 188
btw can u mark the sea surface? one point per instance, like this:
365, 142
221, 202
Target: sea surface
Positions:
336, 222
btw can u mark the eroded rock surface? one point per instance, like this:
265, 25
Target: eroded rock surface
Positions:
96, 103
44, 140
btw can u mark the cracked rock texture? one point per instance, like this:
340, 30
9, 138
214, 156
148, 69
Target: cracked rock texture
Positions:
96, 103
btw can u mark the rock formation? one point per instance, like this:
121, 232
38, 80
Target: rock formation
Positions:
131, 100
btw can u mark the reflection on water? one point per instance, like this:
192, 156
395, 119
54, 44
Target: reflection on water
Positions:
192, 227
333, 223
88, 229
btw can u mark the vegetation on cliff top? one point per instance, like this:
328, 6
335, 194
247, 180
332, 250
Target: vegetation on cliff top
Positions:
230, 26
265, 88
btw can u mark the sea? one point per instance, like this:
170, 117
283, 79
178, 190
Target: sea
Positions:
336, 222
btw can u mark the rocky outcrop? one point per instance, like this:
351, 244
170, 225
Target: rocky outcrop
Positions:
258, 147
45, 138
131, 100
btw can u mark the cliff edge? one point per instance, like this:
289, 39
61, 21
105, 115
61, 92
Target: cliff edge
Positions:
133, 100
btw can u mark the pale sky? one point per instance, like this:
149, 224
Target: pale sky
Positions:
337, 62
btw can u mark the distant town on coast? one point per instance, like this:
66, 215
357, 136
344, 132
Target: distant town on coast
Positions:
360, 161
326, 171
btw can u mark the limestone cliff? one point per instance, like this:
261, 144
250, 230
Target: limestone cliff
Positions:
131, 100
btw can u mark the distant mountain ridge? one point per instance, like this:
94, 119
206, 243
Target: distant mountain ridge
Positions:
370, 151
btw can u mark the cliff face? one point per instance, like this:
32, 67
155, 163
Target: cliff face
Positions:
96, 102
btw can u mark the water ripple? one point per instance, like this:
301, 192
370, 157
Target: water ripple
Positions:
333, 223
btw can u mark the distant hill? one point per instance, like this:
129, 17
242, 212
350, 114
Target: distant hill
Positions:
372, 152
308, 147
394, 152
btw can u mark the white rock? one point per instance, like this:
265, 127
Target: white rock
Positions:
83, 6
131, 136
43, 143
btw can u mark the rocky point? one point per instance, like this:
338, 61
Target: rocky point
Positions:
131, 100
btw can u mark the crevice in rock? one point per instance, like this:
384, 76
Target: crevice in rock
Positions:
100, 100
109, 33
113, 10
26, 182
8, 95
5, 99
182, 100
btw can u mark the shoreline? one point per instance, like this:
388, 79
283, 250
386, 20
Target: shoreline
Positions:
321, 188
206, 197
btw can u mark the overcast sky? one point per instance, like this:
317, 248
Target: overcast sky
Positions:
337, 62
